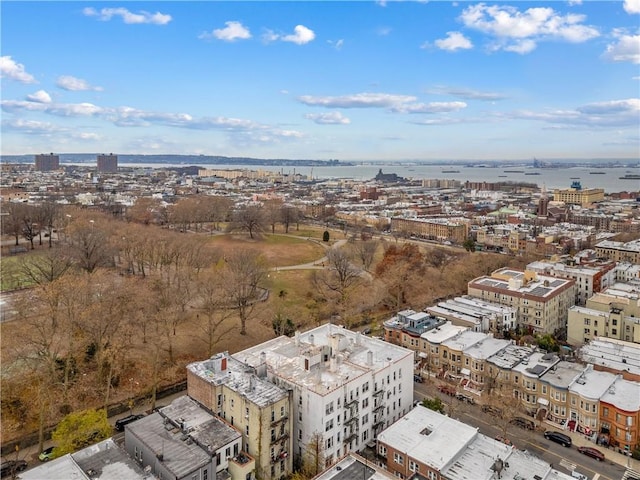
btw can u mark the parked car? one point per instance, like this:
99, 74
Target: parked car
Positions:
11, 467
447, 389
490, 409
418, 379
592, 452
561, 438
465, 398
46, 454
120, 423
522, 423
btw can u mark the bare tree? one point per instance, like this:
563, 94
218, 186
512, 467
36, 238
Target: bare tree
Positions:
12, 218
49, 215
244, 273
89, 244
273, 213
366, 251
249, 218
288, 215
46, 268
214, 307
145, 210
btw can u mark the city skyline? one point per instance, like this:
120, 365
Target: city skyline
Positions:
323, 80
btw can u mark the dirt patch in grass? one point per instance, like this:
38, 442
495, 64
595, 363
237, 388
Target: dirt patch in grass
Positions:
279, 250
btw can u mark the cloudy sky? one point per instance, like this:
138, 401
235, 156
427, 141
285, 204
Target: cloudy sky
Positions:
385, 80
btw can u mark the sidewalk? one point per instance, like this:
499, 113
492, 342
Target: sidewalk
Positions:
581, 440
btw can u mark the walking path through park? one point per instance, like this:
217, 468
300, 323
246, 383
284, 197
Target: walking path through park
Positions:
316, 264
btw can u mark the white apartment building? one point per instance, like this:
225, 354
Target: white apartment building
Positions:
346, 387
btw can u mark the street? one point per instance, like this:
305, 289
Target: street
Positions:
563, 459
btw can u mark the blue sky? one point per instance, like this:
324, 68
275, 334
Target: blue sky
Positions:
386, 80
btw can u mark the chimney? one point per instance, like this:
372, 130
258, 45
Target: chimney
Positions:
312, 339
370, 358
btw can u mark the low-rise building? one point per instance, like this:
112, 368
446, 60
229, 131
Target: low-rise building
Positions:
620, 415
589, 279
619, 251
433, 446
614, 356
405, 328
476, 314
243, 396
541, 301
184, 441
102, 461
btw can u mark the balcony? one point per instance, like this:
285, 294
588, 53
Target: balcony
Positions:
377, 393
351, 403
351, 421
378, 424
278, 420
378, 408
350, 438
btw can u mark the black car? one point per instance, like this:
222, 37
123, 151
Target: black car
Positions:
561, 438
522, 423
491, 410
125, 421
417, 379
11, 467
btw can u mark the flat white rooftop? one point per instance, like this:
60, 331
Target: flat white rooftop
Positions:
428, 436
355, 355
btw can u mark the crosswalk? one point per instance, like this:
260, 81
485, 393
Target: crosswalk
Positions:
631, 474
567, 464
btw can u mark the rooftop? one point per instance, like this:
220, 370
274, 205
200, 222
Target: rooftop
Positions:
354, 467
239, 377
563, 375
426, 436
592, 384
324, 358
102, 461
510, 356
442, 333
613, 354
623, 394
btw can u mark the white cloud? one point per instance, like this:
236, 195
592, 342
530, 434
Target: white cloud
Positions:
631, 6
30, 127
270, 36
358, 100
107, 14
242, 130
614, 113
521, 46
39, 97
574, 2
300, 36
230, 33
73, 84
15, 71
432, 107
454, 41
337, 44
468, 94
519, 32
383, 31
625, 49
331, 118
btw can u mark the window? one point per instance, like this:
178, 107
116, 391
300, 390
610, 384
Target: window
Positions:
246, 430
365, 419
365, 403
397, 458
281, 411
614, 331
227, 452
382, 450
329, 408
413, 466
329, 425
205, 474
329, 443
605, 411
